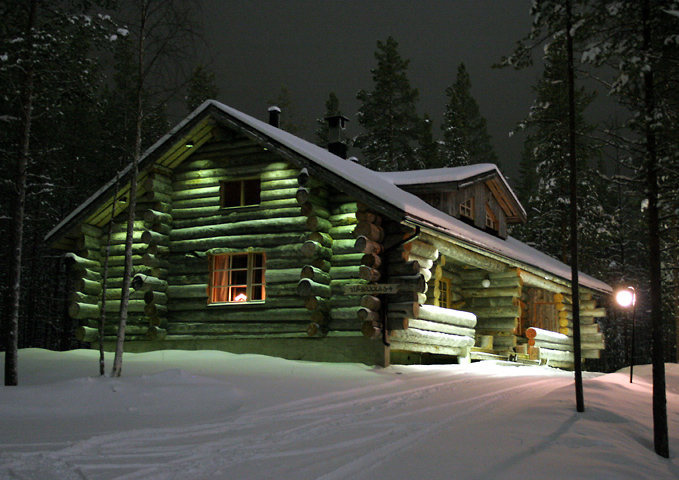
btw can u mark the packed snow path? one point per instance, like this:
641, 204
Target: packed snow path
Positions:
210, 415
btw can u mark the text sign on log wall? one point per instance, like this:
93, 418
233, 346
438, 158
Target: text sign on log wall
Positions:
374, 289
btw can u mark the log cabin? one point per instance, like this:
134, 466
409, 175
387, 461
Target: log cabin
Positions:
249, 239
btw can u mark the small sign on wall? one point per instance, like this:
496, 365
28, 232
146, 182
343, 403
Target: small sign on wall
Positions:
373, 289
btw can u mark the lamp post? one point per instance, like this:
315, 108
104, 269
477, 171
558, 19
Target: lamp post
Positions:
627, 298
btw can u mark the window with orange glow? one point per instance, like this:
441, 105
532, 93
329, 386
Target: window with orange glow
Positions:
237, 278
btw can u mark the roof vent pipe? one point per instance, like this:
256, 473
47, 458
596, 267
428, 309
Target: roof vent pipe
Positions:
275, 117
337, 135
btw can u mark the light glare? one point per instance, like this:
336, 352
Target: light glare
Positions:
625, 298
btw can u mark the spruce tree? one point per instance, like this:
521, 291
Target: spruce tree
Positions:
331, 109
388, 114
544, 187
465, 137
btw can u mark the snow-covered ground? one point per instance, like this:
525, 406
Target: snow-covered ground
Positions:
213, 415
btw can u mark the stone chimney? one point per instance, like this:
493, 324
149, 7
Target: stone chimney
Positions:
275, 117
337, 136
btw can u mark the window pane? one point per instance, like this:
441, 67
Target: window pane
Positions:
251, 192
237, 278
239, 261
230, 194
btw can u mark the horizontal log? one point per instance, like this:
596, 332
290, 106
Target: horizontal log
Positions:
370, 231
76, 262
155, 333
365, 245
447, 316
532, 280
321, 317
369, 274
287, 275
158, 321
233, 313
405, 268
324, 239
371, 302
89, 287
371, 330
316, 330
495, 312
491, 292
436, 349
307, 288
365, 314
548, 336
81, 311
154, 261
467, 257
317, 224
422, 249
316, 303
315, 274
403, 309
409, 283
187, 291
147, 283
397, 324
414, 335
153, 216
154, 309
369, 217
312, 249
441, 327
373, 260
86, 334
343, 246
235, 241
265, 225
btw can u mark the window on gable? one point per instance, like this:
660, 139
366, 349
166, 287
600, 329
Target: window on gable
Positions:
239, 193
491, 220
237, 278
445, 295
467, 209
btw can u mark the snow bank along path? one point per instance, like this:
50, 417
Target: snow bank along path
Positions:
213, 415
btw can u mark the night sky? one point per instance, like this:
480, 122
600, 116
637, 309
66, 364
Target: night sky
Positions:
315, 47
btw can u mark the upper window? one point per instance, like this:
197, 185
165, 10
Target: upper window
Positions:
467, 208
491, 220
237, 278
239, 193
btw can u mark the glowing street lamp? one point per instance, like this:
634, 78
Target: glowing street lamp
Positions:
627, 298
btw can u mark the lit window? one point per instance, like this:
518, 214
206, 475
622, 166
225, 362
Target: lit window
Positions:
236, 278
491, 220
467, 208
445, 300
239, 193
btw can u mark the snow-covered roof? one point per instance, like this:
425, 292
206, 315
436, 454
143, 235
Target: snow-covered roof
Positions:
440, 175
385, 187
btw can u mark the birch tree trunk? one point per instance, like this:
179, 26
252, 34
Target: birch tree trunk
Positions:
132, 206
12, 327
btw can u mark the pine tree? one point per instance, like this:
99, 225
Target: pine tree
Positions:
201, 87
388, 114
428, 149
465, 137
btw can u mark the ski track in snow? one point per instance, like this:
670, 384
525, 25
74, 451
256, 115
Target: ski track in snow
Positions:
334, 436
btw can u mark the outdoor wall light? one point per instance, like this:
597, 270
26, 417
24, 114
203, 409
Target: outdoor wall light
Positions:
485, 283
